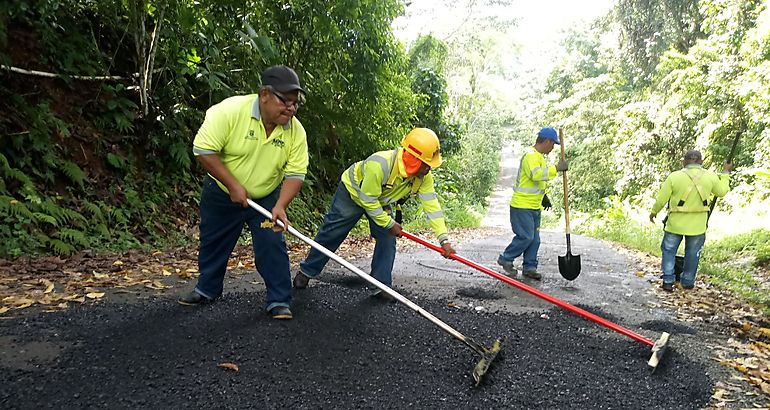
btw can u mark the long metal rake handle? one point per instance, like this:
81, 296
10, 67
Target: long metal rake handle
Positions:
445, 327
574, 309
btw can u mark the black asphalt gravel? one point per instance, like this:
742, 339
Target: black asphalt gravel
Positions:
342, 350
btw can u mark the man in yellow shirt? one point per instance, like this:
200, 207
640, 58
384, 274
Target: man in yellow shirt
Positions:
251, 146
687, 193
527, 204
368, 186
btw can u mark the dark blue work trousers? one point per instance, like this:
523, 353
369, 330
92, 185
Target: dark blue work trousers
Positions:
221, 226
339, 221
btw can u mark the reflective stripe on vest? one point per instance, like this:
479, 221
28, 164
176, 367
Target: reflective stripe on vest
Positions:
532, 190
694, 179
389, 170
356, 186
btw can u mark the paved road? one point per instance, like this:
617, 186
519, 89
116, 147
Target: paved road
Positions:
345, 350
607, 280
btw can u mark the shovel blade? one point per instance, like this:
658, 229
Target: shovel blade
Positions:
569, 266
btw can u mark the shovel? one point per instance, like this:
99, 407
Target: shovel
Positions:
569, 264
488, 355
658, 347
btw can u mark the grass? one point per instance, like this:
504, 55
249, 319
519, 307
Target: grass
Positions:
738, 263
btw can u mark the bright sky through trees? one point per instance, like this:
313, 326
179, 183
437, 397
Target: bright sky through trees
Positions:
539, 23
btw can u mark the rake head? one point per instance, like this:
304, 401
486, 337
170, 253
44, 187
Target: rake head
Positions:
658, 351
488, 355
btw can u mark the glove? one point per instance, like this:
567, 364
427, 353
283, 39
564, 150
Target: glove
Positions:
447, 249
562, 166
546, 203
399, 218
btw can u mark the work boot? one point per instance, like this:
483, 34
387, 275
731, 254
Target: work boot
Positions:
193, 299
382, 296
668, 287
532, 274
301, 280
507, 266
281, 313
688, 287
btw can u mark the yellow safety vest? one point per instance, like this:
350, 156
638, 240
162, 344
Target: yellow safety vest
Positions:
531, 180
688, 213
381, 180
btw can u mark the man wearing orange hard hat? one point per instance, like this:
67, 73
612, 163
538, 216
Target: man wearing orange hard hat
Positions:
368, 188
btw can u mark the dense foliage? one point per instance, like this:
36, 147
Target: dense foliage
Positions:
631, 111
99, 156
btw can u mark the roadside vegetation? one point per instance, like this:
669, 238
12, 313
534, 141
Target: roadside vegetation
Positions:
95, 151
634, 90
100, 101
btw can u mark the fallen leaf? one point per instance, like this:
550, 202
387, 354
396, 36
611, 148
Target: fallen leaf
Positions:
746, 326
49, 285
95, 295
166, 272
101, 275
640, 274
4, 309
156, 285
765, 388
23, 302
117, 263
230, 366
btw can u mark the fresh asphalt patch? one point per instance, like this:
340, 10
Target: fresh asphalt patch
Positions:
668, 326
343, 349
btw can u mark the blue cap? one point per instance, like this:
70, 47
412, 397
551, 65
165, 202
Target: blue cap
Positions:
548, 133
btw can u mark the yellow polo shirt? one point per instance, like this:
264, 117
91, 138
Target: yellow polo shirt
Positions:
233, 130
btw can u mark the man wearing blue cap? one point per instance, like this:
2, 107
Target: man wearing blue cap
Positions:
252, 147
527, 203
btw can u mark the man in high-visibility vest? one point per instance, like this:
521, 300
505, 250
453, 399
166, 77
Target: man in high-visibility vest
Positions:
687, 193
369, 187
527, 203
252, 147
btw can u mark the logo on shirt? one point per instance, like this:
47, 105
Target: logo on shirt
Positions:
250, 135
266, 224
278, 143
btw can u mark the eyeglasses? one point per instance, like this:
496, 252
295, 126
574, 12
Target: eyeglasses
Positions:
287, 102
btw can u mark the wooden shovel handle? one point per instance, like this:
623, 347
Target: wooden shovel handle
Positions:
566, 186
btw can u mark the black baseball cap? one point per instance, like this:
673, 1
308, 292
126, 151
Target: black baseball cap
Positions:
282, 79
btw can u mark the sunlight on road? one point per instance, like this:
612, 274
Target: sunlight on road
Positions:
500, 199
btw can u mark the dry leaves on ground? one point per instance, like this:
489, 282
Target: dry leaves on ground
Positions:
53, 283
748, 349
229, 366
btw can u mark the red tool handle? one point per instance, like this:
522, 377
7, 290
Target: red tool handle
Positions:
574, 309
